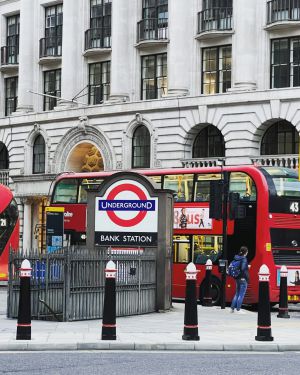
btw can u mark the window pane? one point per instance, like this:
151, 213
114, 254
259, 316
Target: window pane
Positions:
202, 189
154, 76
181, 249
244, 185
39, 155
207, 247
182, 185
141, 148
66, 191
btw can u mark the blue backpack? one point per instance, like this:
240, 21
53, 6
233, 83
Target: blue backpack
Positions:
234, 269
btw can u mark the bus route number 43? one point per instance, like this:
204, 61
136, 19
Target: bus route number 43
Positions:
294, 207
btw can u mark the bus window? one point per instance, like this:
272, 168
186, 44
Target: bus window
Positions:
244, 185
202, 191
66, 191
86, 183
206, 247
156, 179
181, 184
181, 249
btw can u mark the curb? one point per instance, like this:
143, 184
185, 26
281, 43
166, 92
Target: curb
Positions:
131, 346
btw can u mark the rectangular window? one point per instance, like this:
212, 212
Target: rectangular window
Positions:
12, 39
216, 69
154, 76
99, 82
182, 185
53, 30
100, 24
285, 62
202, 191
11, 95
52, 86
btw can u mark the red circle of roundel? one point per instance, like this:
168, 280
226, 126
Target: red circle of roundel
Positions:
126, 222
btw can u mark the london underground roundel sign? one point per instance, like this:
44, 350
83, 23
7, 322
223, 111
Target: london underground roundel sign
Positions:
126, 215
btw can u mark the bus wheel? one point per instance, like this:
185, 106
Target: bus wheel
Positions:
216, 291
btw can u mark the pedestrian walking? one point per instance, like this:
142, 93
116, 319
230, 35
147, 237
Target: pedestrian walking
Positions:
241, 279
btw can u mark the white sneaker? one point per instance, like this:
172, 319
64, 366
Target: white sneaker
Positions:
240, 312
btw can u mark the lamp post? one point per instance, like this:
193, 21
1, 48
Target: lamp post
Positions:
223, 261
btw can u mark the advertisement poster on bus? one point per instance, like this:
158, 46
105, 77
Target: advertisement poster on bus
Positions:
293, 277
189, 217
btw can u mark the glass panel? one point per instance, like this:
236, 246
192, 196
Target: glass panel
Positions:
141, 148
182, 185
4, 162
11, 95
202, 189
39, 155
66, 191
244, 185
154, 76
181, 249
99, 82
206, 247
52, 86
156, 179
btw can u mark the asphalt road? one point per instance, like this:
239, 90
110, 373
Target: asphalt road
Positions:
137, 363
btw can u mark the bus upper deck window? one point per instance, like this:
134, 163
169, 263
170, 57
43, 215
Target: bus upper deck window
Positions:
181, 184
156, 180
202, 188
66, 191
244, 185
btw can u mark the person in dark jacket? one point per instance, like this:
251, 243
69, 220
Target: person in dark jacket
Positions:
241, 281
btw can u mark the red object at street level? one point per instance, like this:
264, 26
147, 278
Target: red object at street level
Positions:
109, 309
24, 314
264, 329
268, 222
190, 331
9, 228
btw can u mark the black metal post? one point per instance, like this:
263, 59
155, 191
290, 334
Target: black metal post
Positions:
224, 234
109, 309
190, 331
264, 329
207, 300
24, 313
283, 297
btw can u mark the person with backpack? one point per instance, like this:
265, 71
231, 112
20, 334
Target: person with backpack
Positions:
238, 269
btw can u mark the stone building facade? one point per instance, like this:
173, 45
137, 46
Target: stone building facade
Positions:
143, 83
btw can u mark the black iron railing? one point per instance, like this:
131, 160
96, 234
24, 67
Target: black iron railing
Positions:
98, 38
283, 10
215, 19
10, 55
51, 46
152, 29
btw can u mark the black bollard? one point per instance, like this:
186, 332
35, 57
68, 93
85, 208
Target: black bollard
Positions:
24, 313
264, 329
190, 331
207, 300
283, 297
109, 309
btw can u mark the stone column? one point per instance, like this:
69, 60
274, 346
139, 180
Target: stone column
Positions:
244, 45
180, 49
120, 55
26, 57
72, 49
27, 225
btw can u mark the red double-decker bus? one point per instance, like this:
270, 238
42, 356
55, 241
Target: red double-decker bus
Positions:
9, 228
269, 198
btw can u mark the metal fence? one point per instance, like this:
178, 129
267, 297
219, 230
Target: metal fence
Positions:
69, 285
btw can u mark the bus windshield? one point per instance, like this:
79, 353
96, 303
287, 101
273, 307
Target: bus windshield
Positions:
285, 181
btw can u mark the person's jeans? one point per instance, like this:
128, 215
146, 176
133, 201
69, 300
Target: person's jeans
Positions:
241, 287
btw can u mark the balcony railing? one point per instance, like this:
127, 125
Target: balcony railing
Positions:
283, 10
50, 46
10, 55
4, 177
287, 161
207, 162
152, 29
215, 19
98, 38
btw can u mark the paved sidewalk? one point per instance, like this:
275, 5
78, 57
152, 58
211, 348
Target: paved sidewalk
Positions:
219, 330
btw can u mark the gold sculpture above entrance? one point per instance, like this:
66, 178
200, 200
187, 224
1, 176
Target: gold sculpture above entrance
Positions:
93, 161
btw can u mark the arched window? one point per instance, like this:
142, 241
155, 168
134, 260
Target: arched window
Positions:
209, 143
141, 147
39, 155
4, 161
280, 138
